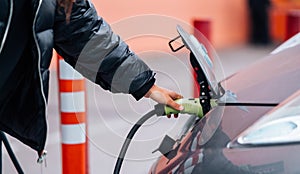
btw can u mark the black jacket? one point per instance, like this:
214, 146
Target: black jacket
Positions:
86, 42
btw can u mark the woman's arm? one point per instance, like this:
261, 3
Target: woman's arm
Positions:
88, 44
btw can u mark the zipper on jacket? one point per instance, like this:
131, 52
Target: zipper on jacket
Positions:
11, 9
39, 66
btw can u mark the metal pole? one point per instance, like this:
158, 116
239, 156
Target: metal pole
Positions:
10, 153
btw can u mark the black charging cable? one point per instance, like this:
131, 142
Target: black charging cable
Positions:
159, 111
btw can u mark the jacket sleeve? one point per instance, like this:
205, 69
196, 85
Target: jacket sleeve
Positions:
89, 45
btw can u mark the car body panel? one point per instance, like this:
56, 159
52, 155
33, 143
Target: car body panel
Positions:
270, 80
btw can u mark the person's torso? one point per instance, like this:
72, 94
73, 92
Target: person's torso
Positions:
26, 38
15, 49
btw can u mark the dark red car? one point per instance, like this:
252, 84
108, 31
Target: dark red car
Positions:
257, 131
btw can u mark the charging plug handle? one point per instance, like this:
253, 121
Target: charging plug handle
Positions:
191, 106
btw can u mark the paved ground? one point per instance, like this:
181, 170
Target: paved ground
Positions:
111, 116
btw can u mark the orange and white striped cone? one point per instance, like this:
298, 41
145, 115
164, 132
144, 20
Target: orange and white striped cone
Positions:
73, 119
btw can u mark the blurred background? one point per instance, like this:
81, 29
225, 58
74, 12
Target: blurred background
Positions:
232, 27
230, 21
226, 24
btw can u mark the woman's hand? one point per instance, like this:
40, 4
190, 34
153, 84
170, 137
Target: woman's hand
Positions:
164, 96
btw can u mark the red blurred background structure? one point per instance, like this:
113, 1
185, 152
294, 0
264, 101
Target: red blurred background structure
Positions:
200, 26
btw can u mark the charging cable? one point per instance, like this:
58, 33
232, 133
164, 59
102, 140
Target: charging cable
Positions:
191, 106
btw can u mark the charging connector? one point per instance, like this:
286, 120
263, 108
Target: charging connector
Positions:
191, 106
